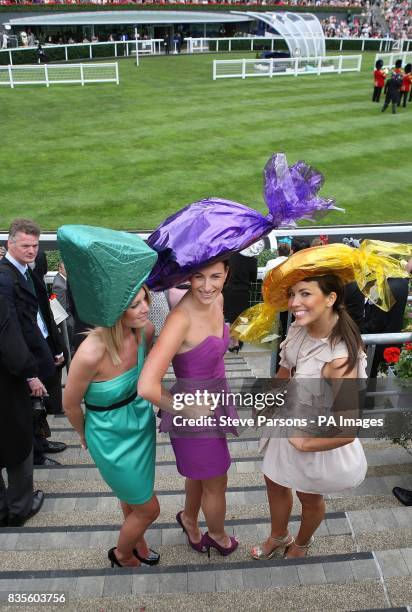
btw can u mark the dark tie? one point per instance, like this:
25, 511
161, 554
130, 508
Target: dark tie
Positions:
29, 282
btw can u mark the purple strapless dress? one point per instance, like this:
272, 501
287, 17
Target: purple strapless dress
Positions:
201, 452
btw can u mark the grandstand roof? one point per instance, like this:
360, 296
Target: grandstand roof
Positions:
128, 17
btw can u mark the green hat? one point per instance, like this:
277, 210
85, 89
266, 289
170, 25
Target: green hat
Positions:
105, 268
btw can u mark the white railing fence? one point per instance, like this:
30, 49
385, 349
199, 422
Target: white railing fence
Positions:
277, 43
389, 59
296, 66
49, 74
78, 51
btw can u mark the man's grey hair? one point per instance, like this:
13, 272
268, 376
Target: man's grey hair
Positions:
25, 226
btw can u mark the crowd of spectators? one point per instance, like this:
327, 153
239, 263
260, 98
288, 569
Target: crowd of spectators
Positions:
338, 3
362, 26
399, 17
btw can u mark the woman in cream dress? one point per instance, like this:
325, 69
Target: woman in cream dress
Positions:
322, 343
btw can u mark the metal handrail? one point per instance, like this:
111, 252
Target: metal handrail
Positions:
390, 338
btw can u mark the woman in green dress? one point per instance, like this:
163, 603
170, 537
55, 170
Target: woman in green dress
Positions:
118, 427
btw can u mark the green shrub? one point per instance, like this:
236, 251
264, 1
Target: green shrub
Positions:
265, 256
53, 258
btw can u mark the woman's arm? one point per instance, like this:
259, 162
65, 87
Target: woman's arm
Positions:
334, 372
171, 337
170, 340
283, 373
83, 369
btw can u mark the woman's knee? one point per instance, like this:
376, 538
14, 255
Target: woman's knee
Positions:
215, 486
312, 500
155, 508
149, 511
275, 488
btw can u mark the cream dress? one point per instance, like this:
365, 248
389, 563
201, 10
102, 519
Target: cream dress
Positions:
313, 472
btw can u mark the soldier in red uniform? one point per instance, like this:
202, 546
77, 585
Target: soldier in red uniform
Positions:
406, 85
379, 76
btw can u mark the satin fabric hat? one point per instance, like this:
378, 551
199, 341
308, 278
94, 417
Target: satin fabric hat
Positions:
370, 266
213, 229
105, 269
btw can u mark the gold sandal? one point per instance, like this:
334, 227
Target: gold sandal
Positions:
285, 542
305, 548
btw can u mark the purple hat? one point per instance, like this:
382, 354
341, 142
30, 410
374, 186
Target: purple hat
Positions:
213, 229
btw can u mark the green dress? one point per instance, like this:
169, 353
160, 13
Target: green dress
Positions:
120, 431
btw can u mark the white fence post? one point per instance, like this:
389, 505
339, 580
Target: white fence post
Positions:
340, 64
81, 74
243, 69
46, 75
66, 55
341, 44
230, 44
251, 44
217, 45
90, 52
10, 58
271, 68
11, 76
117, 73
296, 66
214, 70
115, 49
319, 66
272, 44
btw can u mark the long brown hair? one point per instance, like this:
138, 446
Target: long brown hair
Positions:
345, 328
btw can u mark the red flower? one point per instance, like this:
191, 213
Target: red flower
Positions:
408, 346
392, 354
53, 296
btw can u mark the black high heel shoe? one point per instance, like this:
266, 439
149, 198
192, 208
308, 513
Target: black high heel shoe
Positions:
234, 349
152, 559
113, 559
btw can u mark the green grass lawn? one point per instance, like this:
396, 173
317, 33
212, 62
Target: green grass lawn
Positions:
127, 156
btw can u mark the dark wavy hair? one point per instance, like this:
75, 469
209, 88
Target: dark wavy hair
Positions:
345, 328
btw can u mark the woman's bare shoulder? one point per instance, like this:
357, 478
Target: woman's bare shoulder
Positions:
180, 315
92, 350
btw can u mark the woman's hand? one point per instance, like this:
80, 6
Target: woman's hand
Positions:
199, 410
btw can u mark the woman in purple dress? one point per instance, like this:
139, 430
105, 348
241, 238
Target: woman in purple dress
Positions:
195, 339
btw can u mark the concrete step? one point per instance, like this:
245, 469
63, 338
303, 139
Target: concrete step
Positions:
357, 595
214, 575
90, 550
49, 536
244, 485
246, 452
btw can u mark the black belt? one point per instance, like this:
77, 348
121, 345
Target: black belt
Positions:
113, 406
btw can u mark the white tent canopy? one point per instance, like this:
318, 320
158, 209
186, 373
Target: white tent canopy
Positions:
302, 31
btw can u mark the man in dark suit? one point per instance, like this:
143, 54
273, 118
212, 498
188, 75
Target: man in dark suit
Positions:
18, 502
30, 308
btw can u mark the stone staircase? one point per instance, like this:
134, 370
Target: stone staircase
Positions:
361, 560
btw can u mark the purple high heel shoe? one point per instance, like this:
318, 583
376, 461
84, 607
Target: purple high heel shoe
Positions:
209, 543
198, 546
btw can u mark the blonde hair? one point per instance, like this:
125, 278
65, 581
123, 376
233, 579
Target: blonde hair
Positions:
112, 337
